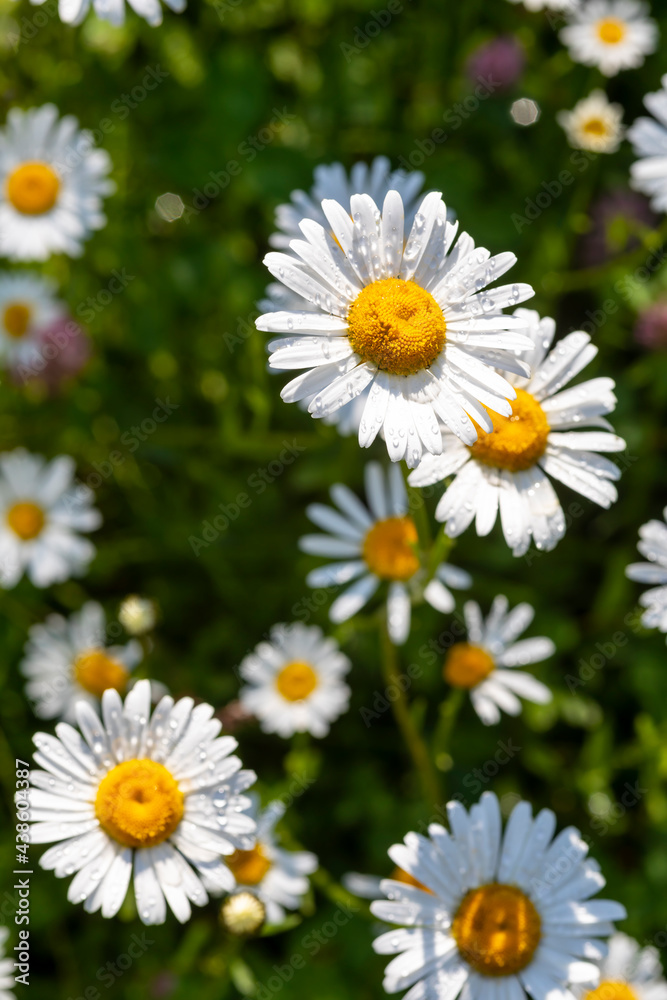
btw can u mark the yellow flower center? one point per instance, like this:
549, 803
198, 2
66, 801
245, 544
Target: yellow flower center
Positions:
33, 188
389, 549
595, 126
466, 665
139, 804
497, 929
296, 681
611, 31
16, 319
248, 867
400, 875
26, 519
611, 990
515, 442
397, 326
95, 672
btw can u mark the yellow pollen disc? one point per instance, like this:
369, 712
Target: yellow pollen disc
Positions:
397, 326
595, 126
515, 442
95, 672
611, 990
139, 804
16, 319
296, 681
400, 875
611, 31
33, 188
466, 665
389, 549
26, 519
497, 929
248, 867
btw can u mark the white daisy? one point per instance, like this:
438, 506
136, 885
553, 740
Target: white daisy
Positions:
68, 660
412, 321
611, 34
28, 304
506, 916
535, 5
508, 470
52, 182
649, 141
593, 124
42, 511
6, 968
627, 973
161, 794
74, 11
295, 681
376, 544
277, 877
652, 545
484, 665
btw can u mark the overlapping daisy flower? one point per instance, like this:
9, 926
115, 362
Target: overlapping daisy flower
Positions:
505, 915
68, 660
159, 796
295, 681
375, 545
404, 313
508, 471
52, 181
28, 304
113, 11
6, 968
652, 545
42, 511
593, 124
628, 972
611, 34
649, 141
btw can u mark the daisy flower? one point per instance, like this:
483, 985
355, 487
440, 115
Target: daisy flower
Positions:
506, 915
159, 795
484, 664
68, 660
113, 11
535, 5
593, 124
649, 141
376, 544
295, 681
652, 545
42, 511
611, 34
52, 182
28, 304
6, 968
627, 973
509, 469
411, 321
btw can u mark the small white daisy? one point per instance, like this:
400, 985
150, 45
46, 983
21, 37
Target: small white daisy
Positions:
505, 916
484, 665
593, 124
629, 972
295, 681
52, 181
138, 615
508, 470
68, 660
113, 11
535, 5
611, 34
6, 968
652, 545
160, 794
377, 544
649, 141
412, 321
42, 511
28, 304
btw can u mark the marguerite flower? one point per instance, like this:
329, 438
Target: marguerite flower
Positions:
68, 660
593, 124
52, 182
74, 11
295, 681
611, 34
649, 141
484, 665
412, 321
376, 544
652, 545
42, 511
6, 968
505, 916
158, 794
627, 973
28, 304
508, 470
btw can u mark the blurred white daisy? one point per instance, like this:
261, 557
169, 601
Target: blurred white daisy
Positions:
138, 615
649, 141
6, 968
412, 321
28, 304
74, 11
295, 681
42, 511
68, 660
534, 5
52, 181
629, 972
376, 544
508, 916
159, 794
611, 34
652, 545
277, 877
593, 124
508, 470
370, 886
484, 665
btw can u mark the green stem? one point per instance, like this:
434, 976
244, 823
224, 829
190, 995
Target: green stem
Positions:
449, 710
417, 508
